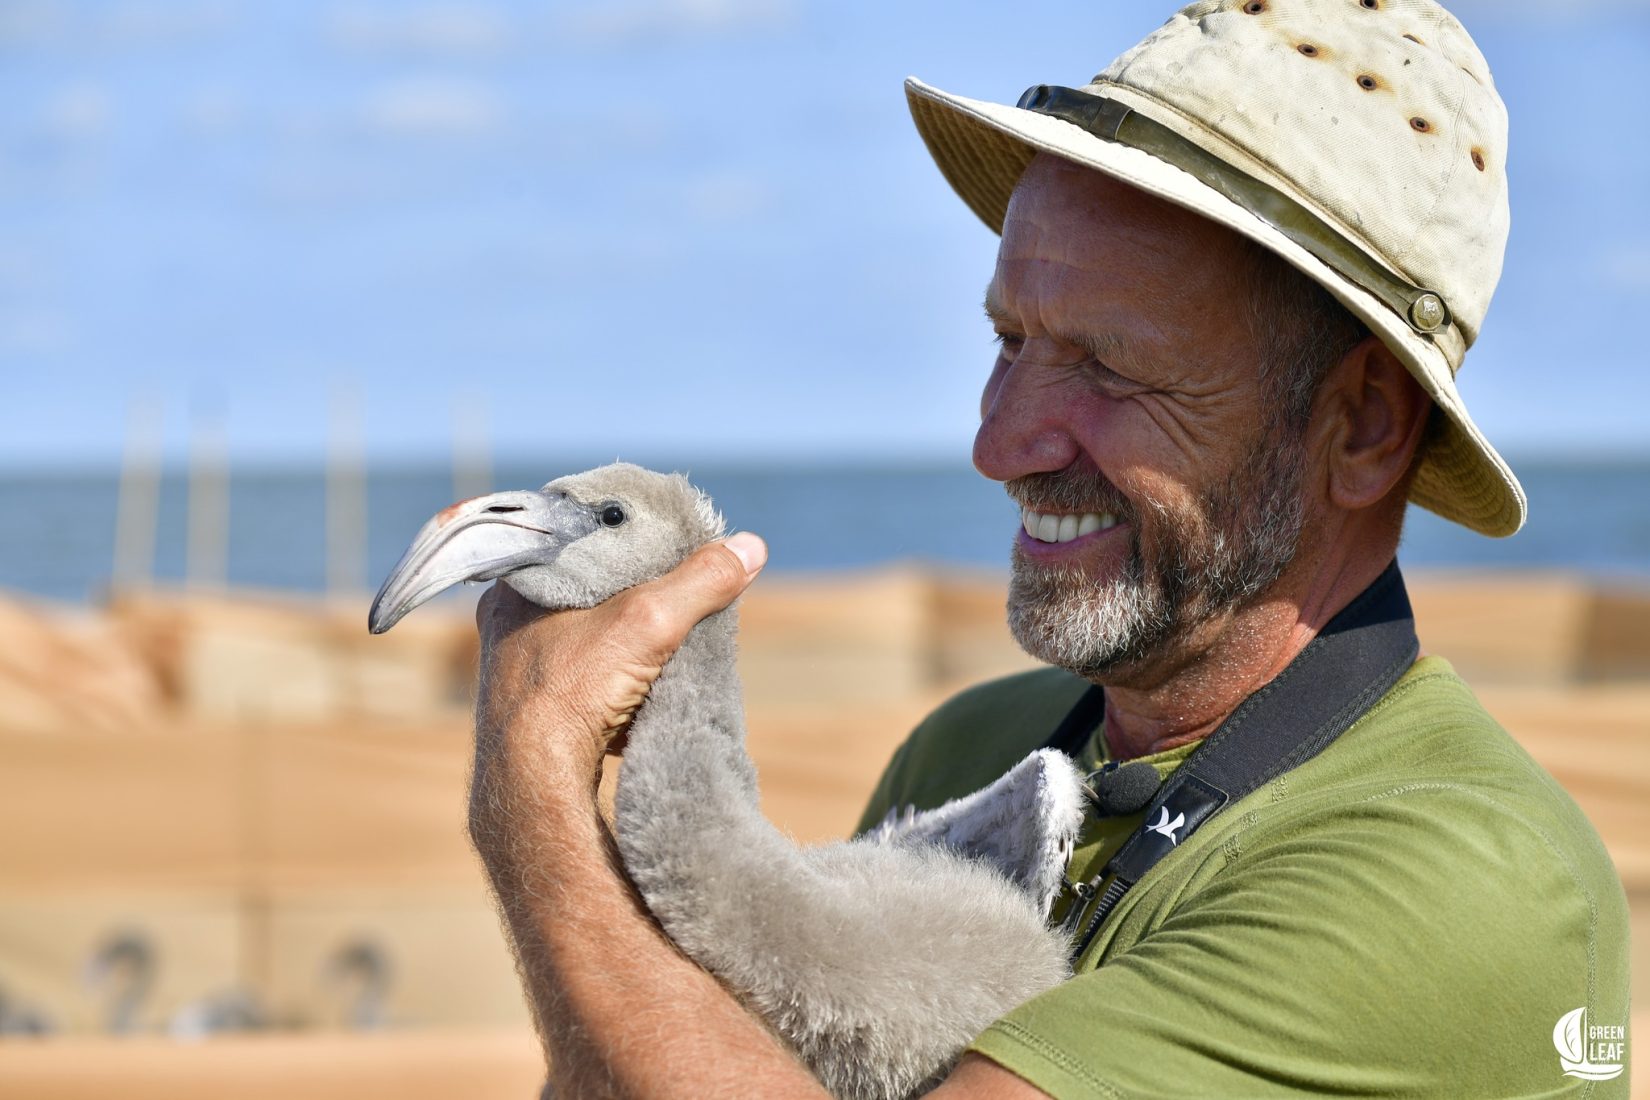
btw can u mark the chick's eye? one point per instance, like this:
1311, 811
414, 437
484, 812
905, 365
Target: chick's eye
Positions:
612, 516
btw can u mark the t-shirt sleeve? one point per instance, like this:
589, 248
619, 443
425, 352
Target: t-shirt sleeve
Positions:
1368, 952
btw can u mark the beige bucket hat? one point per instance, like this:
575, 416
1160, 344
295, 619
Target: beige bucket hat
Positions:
1361, 140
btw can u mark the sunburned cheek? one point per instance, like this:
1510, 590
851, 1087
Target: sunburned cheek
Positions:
1167, 440
1127, 443
1159, 458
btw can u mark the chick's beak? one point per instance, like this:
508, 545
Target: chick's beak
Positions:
479, 539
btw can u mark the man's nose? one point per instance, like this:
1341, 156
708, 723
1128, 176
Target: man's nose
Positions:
1023, 423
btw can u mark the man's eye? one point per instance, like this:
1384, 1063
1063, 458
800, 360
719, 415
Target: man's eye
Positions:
1008, 342
1110, 378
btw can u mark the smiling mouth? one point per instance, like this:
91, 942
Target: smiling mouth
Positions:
1054, 527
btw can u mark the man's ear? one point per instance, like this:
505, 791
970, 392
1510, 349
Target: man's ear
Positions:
1373, 413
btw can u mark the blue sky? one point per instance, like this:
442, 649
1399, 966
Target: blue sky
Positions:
667, 229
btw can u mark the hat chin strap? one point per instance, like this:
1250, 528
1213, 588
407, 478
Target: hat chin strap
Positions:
1423, 310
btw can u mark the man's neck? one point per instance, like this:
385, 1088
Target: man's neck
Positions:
1184, 696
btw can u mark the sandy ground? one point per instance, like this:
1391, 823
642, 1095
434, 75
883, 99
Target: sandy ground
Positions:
254, 788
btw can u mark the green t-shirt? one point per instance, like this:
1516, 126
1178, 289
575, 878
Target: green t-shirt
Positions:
1410, 913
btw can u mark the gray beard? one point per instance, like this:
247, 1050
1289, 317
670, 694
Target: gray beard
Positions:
1219, 555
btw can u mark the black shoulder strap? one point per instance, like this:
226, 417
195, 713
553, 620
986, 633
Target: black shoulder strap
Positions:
1354, 660
1078, 725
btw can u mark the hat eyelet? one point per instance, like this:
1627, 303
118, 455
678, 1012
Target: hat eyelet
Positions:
1306, 49
1368, 83
1420, 125
1254, 7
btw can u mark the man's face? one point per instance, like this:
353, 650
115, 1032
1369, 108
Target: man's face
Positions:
1127, 404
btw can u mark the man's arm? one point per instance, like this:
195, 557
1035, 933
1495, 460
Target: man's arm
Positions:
621, 1012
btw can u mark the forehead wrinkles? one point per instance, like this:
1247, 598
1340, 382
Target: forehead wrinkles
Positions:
1083, 251
1050, 301
1039, 263
1070, 284
1045, 295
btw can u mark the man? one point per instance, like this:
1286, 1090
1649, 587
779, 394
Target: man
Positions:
1237, 274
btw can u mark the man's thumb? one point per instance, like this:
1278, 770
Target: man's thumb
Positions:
710, 579
715, 575
751, 551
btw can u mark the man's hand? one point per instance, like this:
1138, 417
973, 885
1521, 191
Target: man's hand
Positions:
575, 678
620, 1010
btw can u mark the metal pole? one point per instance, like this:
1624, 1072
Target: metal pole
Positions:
137, 507
206, 558
346, 497
472, 453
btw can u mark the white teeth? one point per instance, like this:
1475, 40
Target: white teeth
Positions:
1050, 527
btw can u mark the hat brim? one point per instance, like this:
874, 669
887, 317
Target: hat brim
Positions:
983, 148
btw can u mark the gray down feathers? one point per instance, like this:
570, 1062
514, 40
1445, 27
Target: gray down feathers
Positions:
878, 959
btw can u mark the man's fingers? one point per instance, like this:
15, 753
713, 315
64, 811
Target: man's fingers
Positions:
648, 622
660, 613
594, 666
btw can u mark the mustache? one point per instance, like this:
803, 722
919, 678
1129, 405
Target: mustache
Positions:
1070, 490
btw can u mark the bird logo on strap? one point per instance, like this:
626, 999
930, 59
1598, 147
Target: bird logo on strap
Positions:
1165, 827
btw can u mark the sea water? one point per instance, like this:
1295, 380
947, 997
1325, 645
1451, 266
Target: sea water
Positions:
57, 530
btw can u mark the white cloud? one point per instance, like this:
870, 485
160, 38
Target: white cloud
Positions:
29, 22
729, 196
122, 24
433, 108
23, 269
1628, 268
156, 22
76, 112
214, 111
628, 21
471, 29
33, 333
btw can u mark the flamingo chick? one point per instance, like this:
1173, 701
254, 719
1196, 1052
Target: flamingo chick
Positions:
879, 958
